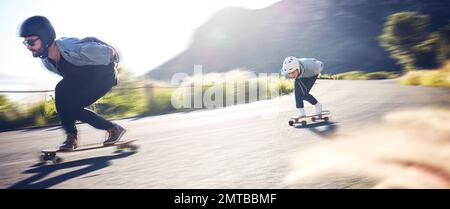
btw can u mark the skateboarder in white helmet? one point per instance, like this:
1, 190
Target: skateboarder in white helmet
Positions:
305, 72
88, 70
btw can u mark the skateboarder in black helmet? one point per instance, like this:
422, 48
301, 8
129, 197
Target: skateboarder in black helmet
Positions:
305, 72
87, 67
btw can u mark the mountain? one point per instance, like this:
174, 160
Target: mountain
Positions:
341, 33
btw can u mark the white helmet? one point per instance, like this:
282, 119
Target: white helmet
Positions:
289, 65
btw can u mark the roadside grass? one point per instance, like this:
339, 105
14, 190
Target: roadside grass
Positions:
360, 75
436, 78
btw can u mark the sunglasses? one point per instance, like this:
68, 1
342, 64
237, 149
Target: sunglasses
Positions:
30, 42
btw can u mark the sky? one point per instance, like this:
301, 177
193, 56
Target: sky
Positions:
146, 32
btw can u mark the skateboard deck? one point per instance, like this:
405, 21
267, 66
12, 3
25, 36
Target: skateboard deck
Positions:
325, 116
50, 154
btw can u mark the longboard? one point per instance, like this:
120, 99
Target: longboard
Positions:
50, 154
325, 116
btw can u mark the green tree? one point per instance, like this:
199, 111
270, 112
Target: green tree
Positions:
402, 36
443, 42
425, 54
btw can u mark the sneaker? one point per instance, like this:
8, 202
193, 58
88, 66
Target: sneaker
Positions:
301, 112
318, 107
70, 144
114, 134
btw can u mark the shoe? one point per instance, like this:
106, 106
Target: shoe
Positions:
70, 144
301, 112
114, 134
318, 107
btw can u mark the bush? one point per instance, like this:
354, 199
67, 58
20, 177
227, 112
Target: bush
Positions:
327, 76
352, 75
122, 103
286, 86
359, 75
43, 113
39, 114
437, 78
381, 75
162, 101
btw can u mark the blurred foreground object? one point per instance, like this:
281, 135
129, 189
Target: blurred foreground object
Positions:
408, 149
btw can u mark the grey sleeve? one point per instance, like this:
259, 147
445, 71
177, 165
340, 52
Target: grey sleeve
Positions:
96, 53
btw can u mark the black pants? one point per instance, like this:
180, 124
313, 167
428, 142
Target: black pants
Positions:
302, 88
74, 93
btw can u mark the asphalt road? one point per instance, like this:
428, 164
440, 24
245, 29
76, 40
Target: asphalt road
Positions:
244, 146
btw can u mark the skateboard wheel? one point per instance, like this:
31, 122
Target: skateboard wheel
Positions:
56, 160
291, 123
42, 159
123, 147
303, 123
134, 148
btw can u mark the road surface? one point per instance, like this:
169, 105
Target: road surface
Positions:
244, 146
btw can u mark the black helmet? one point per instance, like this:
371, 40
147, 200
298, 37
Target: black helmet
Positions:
39, 26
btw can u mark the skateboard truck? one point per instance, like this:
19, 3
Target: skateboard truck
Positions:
325, 116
